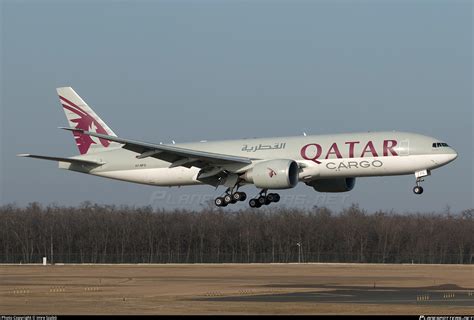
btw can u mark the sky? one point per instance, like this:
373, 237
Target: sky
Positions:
211, 70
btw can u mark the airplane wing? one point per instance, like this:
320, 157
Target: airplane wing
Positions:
61, 159
177, 156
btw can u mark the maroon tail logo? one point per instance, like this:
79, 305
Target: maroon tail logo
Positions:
84, 122
271, 172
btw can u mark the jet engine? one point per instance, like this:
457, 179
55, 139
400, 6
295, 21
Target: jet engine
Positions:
273, 174
333, 185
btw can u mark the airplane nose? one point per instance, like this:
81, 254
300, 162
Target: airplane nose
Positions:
453, 155
446, 157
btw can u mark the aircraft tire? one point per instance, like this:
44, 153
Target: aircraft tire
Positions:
219, 201
418, 190
276, 198
228, 199
242, 196
253, 203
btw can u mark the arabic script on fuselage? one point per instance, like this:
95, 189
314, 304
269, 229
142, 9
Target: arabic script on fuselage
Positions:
260, 147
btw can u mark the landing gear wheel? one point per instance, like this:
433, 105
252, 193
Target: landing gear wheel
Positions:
253, 203
418, 190
228, 199
239, 196
236, 196
276, 198
262, 200
219, 201
273, 197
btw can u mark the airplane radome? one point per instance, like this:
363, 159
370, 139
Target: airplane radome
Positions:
328, 163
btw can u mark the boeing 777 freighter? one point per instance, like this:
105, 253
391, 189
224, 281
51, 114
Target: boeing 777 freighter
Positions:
328, 163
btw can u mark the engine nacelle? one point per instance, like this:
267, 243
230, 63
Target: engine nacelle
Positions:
333, 185
273, 174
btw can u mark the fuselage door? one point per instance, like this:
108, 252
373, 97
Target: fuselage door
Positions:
404, 149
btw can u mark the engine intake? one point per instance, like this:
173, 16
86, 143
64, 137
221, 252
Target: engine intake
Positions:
273, 174
333, 185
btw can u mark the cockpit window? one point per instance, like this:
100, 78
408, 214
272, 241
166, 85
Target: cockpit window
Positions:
439, 144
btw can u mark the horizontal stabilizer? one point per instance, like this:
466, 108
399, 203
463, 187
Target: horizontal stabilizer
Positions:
61, 159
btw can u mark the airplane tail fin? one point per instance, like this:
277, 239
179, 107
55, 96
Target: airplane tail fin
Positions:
81, 116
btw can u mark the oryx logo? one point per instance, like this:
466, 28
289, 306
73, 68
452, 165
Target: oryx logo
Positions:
86, 122
271, 172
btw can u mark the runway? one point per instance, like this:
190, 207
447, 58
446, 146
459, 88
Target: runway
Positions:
237, 289
445, 295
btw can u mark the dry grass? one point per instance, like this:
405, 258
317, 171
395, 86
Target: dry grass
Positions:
169, 289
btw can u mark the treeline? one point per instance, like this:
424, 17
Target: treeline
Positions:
111, 234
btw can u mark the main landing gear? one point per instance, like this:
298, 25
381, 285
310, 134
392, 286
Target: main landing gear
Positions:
264, 199
419, 175
230, 197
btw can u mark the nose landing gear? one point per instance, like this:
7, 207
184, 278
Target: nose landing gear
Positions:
419, 175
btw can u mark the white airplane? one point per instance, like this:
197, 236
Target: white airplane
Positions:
328, 163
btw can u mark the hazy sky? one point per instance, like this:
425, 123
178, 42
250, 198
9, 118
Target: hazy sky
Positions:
193, 70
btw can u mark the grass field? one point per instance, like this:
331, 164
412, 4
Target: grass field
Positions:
237, 289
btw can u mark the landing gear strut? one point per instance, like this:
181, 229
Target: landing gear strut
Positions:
264, 199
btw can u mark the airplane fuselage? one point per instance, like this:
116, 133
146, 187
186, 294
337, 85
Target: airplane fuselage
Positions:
320, 156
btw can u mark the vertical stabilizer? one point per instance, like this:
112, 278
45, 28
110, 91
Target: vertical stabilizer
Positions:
81, 116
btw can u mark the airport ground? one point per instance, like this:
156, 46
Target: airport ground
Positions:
237, 289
